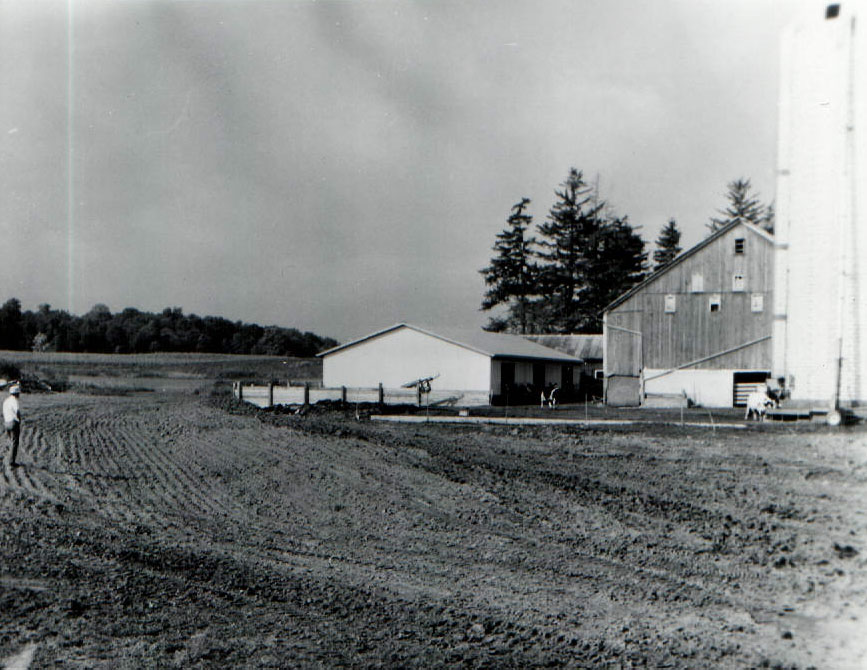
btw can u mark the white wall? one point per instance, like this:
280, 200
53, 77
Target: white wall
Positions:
708, 388
403, 355
821, 228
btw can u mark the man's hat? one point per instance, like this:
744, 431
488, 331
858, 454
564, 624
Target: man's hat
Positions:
15, 389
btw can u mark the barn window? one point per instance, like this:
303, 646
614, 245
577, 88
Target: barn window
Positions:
740, 243
738, 283
670, 303
832, 11
599, 374
715, 303
757, 302
697, 283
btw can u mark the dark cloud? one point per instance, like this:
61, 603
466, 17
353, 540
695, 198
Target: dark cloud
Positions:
339, 166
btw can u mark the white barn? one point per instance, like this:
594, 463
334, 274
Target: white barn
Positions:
820, 298
505, 368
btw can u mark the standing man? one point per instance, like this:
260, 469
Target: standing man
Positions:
12, 420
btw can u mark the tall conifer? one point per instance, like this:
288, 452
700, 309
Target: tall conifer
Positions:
511, 276
667, 245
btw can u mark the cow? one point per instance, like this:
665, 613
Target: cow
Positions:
550, 398
758, 403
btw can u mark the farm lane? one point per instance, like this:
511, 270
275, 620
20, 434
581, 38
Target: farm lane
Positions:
192, 534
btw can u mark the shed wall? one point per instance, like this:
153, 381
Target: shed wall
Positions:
404, 355
708, 388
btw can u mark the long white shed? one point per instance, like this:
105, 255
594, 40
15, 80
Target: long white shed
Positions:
505, 367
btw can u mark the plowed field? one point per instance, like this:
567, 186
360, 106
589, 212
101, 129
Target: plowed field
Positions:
180, 531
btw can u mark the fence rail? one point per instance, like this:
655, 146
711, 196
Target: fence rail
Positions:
276, 394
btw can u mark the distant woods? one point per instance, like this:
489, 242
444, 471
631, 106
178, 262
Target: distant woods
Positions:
133, 331
559, 277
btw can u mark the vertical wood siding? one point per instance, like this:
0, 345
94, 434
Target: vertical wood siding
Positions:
693, 332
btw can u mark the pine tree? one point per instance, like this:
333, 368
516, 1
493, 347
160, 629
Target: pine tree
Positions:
668, 245
617, 262
769, 218
742, 206
571, 230
511, 276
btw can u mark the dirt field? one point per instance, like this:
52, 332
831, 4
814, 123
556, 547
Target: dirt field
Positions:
172, 530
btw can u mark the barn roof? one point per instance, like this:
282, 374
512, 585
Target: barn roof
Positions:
710, 239
495, 345
588, 347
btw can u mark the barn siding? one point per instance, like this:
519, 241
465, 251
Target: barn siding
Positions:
693, 332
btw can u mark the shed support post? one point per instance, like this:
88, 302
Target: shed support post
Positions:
343, 394
381, 394
270, 394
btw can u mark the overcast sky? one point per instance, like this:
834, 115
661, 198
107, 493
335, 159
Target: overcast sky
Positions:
342, 165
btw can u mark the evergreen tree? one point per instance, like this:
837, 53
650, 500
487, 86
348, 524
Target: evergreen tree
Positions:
570, 232
616, 263
511, 276
586, 258
668, 245
769, 218
742, 206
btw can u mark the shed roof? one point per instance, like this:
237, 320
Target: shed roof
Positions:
710, 239
495, 345
588, 347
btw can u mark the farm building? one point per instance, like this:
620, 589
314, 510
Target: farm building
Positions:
501, 368
820, 302
697, 329
586, 347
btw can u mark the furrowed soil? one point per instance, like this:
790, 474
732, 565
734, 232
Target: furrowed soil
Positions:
187, 531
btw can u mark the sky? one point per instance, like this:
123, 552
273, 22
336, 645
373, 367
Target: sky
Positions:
340, 166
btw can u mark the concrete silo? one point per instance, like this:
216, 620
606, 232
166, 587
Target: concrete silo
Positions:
820, 297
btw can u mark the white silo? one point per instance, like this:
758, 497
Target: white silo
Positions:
820, 297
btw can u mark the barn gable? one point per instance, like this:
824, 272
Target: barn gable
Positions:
692, 325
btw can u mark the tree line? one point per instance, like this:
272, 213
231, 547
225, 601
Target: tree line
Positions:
582, 257
134, 331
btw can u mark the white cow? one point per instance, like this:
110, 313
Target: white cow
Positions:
758, 403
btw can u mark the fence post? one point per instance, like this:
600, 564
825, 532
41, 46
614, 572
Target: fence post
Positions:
270, 394
381, 394
306, 393
343, 394
418, 394
240, 391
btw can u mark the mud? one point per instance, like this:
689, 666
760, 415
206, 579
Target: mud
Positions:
172, 531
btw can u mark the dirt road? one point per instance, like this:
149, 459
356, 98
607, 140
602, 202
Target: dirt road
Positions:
171, 531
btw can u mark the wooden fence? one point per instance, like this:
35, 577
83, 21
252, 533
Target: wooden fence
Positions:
277, 394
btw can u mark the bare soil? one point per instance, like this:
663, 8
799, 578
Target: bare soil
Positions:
171, 530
